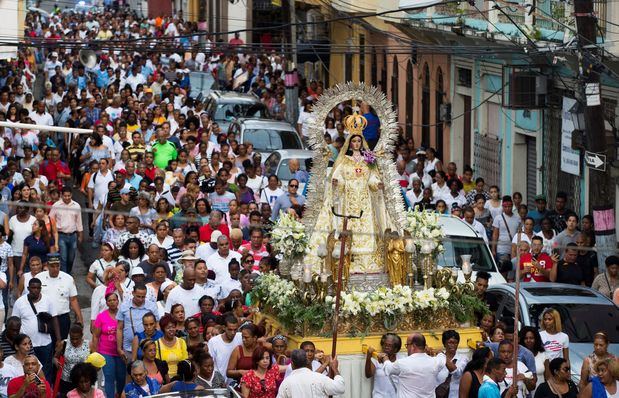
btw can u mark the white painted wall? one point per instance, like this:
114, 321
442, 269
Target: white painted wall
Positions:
9, 28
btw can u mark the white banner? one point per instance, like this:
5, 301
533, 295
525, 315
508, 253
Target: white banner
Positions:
570, 158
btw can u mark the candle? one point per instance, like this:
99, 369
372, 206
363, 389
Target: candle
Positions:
307, 273
466, 264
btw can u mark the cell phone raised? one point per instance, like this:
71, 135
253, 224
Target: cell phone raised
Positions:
37, 380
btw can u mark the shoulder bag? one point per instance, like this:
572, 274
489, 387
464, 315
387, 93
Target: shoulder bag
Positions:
43, 319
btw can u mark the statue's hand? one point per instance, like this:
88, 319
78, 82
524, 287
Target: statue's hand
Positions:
381, 185
334, 182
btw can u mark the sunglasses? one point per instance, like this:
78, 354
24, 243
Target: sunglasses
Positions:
293, 186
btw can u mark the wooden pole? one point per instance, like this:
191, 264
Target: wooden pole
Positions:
516, 313
338, 289
340, 269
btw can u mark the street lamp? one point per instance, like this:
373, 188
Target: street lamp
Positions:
577, 113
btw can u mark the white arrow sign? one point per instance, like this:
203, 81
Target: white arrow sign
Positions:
595, 160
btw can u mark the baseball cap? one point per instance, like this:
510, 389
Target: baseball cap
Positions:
53, 258
121, 171
540, 197
137, 271
125, 190
191, 210
215, 235
95, 359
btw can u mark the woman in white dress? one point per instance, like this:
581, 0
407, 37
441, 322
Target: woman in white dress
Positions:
384, 385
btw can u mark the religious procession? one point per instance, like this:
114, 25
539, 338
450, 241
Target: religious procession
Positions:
194, 212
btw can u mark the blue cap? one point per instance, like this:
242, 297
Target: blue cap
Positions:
125, 190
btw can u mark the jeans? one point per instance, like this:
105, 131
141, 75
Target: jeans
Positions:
67, 246
45, 354
114, 373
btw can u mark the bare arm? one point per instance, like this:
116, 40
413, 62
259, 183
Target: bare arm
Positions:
584, 374
370, 369
90, 280
553, 272
465, 385
22, 266
587, 392
232, 371
244, 390
75, 306
566, 353
495, 240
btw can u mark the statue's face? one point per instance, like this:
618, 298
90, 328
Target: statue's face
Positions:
355, 143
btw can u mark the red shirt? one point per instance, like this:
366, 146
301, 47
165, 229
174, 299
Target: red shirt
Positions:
257, 255
31, 391
544, 261
150, 172
51, 169
206, 231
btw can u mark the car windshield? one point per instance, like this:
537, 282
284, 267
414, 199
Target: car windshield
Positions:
229, 112
284, 173
456, 246
266, 140
582, 321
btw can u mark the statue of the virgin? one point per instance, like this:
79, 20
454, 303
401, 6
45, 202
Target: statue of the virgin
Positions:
356, 187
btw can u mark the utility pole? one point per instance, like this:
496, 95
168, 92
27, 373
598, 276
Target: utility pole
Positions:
601, 185
292, 94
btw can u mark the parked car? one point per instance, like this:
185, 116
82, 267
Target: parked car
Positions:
461, 238
226, 106
583, 311
266, 135
277, 163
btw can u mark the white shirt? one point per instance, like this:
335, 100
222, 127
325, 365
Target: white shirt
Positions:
257, 183
167, 243
229, 285
8, 372
479, 228
554, 344
456, 375
29, 324
413, 198
426, 180
384, 385
188, 298
439, 192
99, 185
42, 118
21, 230
97, 302
270, 196
221, 351
3, 278
59, 289
98, 268
219, 265
418, 374
204, 251
509, 379
303, 383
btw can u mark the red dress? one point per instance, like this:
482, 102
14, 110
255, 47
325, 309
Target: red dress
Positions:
265, 389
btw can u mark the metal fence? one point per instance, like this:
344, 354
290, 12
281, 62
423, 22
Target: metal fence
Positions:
487, 158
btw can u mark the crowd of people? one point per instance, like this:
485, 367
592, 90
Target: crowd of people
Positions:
180, 212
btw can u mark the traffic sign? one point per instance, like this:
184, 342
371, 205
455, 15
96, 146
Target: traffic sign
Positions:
596, 161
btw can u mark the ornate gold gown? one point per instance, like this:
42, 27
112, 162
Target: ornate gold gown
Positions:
357, 190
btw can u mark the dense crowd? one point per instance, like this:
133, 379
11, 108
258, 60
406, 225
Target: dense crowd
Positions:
181, 211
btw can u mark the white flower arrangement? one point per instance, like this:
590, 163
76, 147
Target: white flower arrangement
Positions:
398, 300
275, 291
425, 230
289, 236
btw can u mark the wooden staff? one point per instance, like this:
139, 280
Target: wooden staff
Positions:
340, 268
516, 313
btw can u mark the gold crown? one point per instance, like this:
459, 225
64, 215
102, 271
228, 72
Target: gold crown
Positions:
355, 123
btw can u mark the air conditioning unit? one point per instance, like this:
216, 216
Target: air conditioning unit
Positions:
527, 90
445, 113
